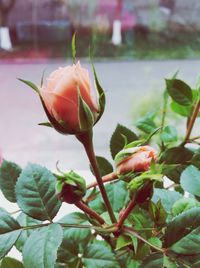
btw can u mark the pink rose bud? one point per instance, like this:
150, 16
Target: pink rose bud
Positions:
135, 159
69, 100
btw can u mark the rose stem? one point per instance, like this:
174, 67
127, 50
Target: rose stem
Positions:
192, 121
86, 140
126, 212
107, 178
131, 231
90, 212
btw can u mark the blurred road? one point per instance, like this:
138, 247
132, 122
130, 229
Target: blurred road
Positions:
22, 140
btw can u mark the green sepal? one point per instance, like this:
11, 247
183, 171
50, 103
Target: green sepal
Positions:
30, 84
70, 187
45, 124
136, 183
42, 78
86, 118
102, 97
73, 47
125, 153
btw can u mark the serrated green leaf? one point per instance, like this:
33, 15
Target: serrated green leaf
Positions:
40, 249
9, 173
98, 204
104, 165
189, 244
125, 259
168, 263
36, 195
196, 160
123, 241
117, 141
118, 194
76, 234
140, 220
153, 261
25, 220
155, 241
99, 255
181, 226
166, 197
176, 155
158, 260
74, 241
169, 134
8, 262
30, 84
184, 204
173, 171
190, 180
190, 260
180, 109
147, 124
179, 91
9, 232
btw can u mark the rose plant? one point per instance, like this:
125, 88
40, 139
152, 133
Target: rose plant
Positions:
129, 217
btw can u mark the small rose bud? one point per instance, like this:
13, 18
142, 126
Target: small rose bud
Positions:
145, 192
70, 101
70, 187
136, 159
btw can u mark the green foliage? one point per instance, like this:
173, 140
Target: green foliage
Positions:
179, 91
184, 204
190, 180
35, 191
25, 220
9, 173
120, 138
157, 225
8, 262
40, 249
9, 232
166, 197
99, 255
180, 227
146, 123
169, 134
105, 166
75, 234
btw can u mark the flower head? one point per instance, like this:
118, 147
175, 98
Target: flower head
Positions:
135, 159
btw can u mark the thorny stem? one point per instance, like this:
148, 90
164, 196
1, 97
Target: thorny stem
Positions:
192, 121
107, 178
86, 140
126, 212
109, 229
131, 231
90, 212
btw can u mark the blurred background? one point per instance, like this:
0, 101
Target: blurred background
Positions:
136, 44
138, 29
